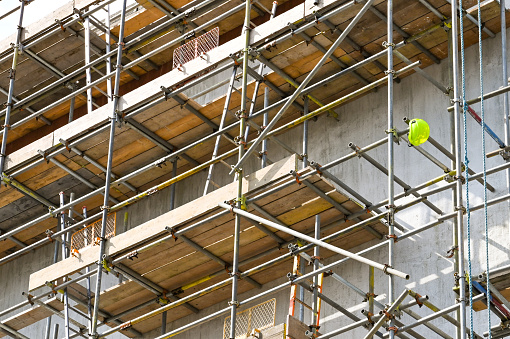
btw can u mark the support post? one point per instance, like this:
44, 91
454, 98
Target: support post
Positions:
391, 164
108, 38
12, 78
88, 76
234, 303
64, 256
113, 120
458, 168
504, 71
317, 280
305, 133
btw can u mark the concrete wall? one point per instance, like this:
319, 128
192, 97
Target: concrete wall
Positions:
362, 122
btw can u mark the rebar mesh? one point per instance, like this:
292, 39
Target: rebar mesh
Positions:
91, 234
196, 47
258, 317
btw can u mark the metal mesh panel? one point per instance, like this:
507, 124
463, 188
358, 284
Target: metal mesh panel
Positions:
196, 47
91, 234
258, 317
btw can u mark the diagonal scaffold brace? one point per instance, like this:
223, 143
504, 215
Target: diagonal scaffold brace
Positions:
305, 82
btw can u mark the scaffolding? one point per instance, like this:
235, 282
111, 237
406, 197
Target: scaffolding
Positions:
111, 136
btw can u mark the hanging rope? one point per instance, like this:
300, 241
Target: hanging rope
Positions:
466, 163
480, 54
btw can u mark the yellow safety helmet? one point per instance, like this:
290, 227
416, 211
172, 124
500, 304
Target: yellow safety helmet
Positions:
419, 131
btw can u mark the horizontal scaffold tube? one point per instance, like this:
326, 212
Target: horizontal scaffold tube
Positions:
183, 175
285, 229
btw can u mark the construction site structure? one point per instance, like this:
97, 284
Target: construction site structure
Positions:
252, 169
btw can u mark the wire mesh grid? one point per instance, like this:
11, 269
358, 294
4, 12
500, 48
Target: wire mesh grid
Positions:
258, 317
196, 47
92, 233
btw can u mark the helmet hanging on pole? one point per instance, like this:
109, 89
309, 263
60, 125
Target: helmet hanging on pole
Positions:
419, 131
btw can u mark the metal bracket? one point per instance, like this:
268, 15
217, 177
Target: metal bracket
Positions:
461, 177
504, 154
393, 328
392, 236
132, 255
241, 114
191, 34
239, 140
105, 207
387, 44
449, 178
125, 325
367, 297
457, 100
369, 318
394, 131
451, 252
166, 92
172, 232
418, 302
12, 74
461, 208
292, 277
234, 302
60, 24
385, 269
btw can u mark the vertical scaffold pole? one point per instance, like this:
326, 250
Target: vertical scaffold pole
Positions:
305, 132
113, 120
504, 71
242, 143
317, 280
12, 78
391, 162
265, 120
108, 49
87, 270
88, 76
452, 165
64, 255
458, 167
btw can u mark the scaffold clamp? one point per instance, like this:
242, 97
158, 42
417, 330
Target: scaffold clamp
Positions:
417, 298
172, 232
166, 92
451, 252
385, 269
234, 302
367, 298
132, 255
393, 328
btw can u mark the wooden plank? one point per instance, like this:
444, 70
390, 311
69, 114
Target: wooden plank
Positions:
275, 332
156, 226
295, 328
32, 315
153, 88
